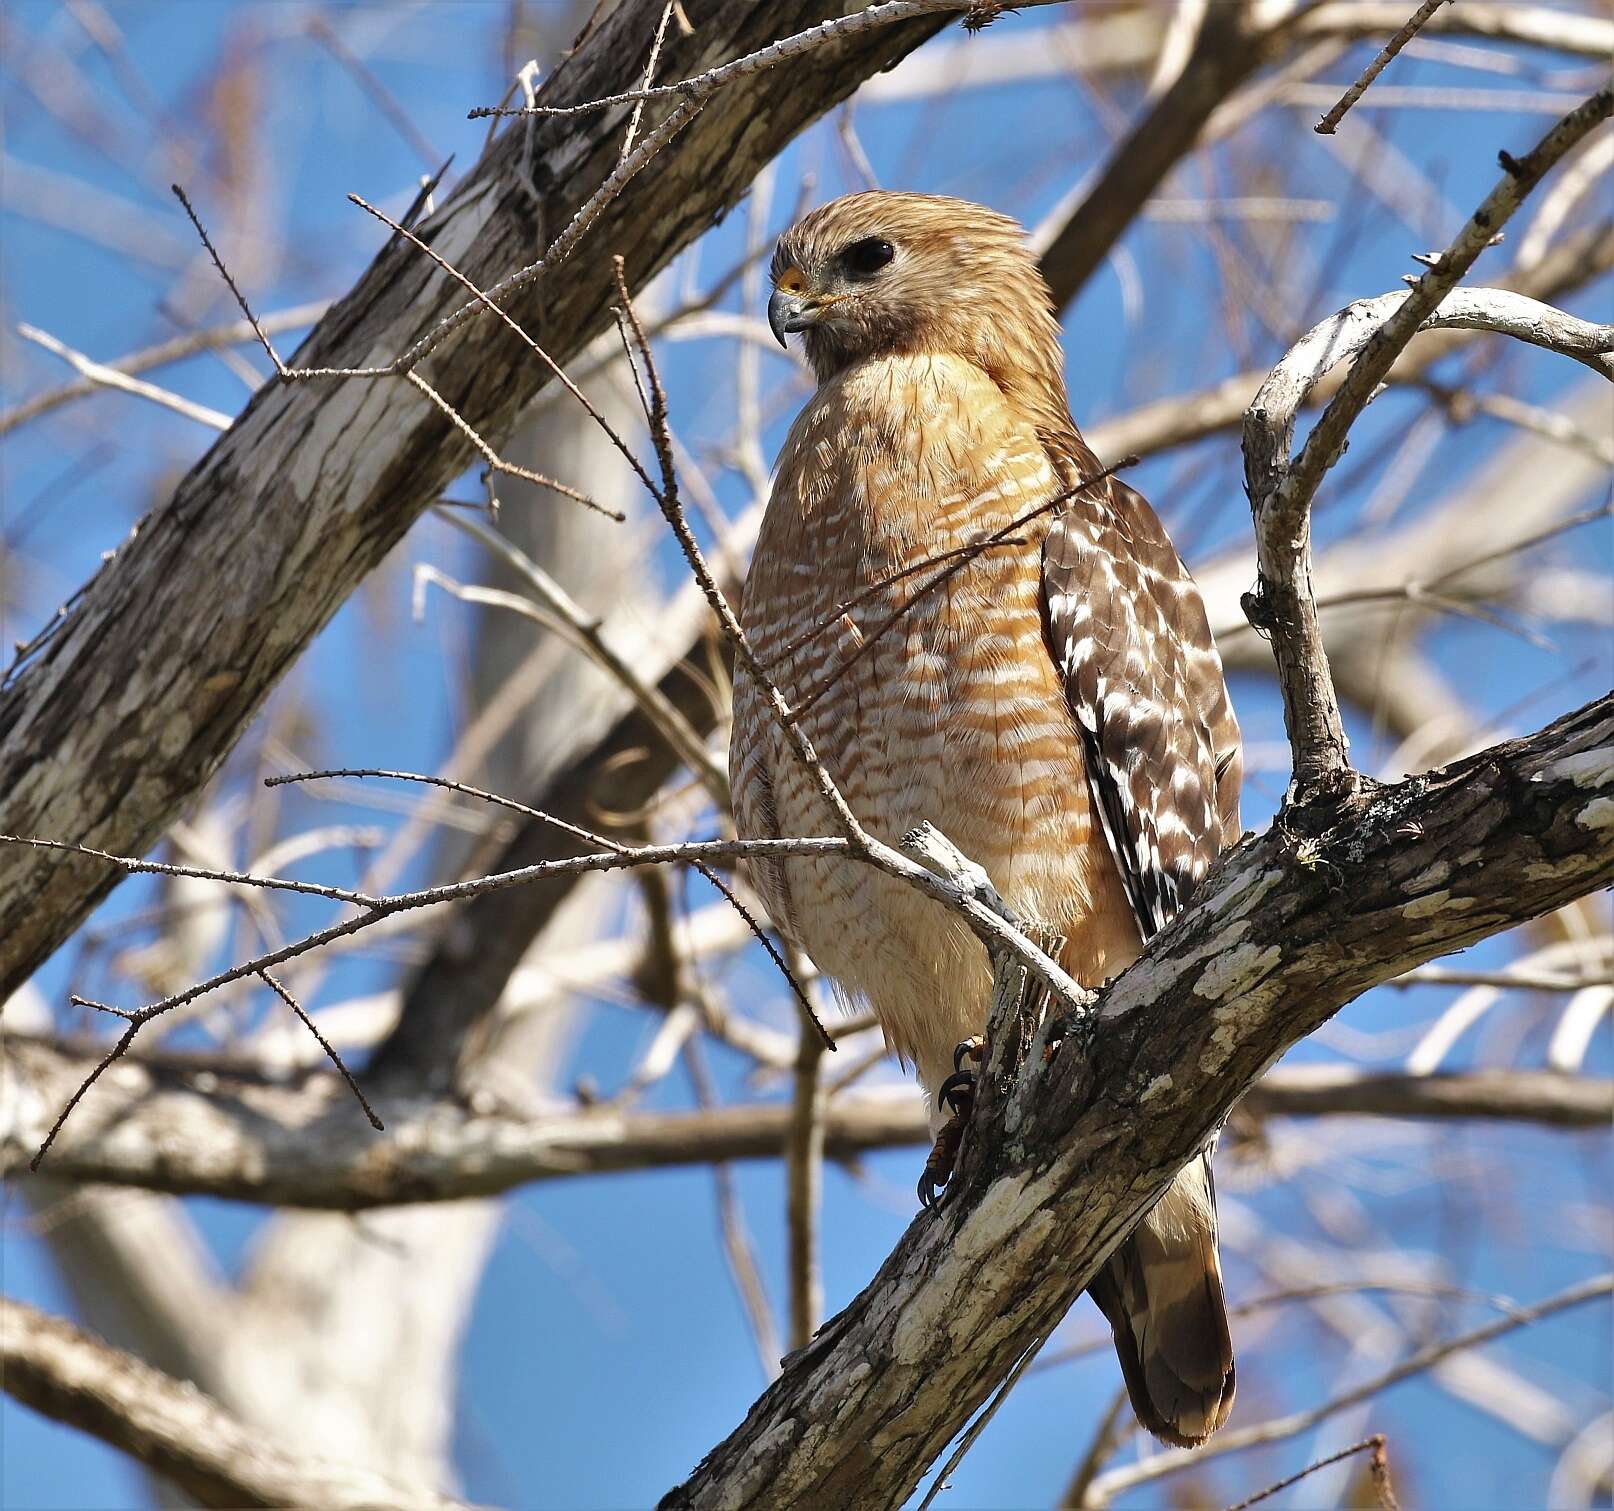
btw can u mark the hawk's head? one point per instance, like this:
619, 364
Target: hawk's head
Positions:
881, 274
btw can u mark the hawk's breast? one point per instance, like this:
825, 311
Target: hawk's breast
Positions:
923, 681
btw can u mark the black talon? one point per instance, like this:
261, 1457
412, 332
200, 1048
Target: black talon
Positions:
957, 1092
957, 1095
973, 1048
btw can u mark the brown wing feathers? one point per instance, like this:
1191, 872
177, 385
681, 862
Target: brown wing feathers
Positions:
1127, 630
1123, 620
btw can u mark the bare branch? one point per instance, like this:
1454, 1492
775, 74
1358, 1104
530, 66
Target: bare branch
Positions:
1107, 1486
210, 1126
1330, 122
1281, 491
235, 333
170, 1426
99, 376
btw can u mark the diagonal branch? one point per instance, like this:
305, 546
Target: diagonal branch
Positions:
169, 1426
1281, 490
1284, 933
130, 706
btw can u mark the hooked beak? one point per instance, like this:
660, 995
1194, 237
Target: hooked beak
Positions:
787, 312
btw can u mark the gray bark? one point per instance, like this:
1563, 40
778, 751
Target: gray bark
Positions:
128, 708
171, 1428
1287, 929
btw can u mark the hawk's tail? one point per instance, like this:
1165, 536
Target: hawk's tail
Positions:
1162, 1293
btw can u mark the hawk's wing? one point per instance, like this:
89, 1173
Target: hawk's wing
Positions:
1127, 629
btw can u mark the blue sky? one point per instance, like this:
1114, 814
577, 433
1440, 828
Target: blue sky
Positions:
607, 1350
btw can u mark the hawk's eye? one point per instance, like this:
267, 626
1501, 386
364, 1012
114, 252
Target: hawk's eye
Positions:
865, 258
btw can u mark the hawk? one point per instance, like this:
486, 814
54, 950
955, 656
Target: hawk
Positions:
1056, 706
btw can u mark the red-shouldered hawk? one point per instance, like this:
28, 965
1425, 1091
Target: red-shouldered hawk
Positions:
1057, 708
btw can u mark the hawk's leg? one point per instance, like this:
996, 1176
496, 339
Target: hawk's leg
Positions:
957, 1094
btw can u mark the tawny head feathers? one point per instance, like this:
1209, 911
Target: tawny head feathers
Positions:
881, 274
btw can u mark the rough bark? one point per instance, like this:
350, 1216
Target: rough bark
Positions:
156, 669
1289, 927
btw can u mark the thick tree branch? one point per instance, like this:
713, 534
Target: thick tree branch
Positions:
200, 1128
170, 1427
1285, 932
147, 682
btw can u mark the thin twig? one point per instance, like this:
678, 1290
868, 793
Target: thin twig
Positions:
588, 836
649, 74
202, 873
1108, 1486
1380, 1469
325, 1044
496, 463
224, 273
377, 909
1330, 122
538, 351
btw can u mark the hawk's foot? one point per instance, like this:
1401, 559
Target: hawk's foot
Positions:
939, 1163
957, 1095
957, 1092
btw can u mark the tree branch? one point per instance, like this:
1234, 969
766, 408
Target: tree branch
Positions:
132, 703
1281, 491
1284, 932
169, 1426
204, 1127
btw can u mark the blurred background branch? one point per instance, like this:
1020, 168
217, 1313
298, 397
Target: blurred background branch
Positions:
563, 1067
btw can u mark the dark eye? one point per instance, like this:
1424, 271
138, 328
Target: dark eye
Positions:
865, 258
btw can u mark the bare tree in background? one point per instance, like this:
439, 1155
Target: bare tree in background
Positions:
142, 721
